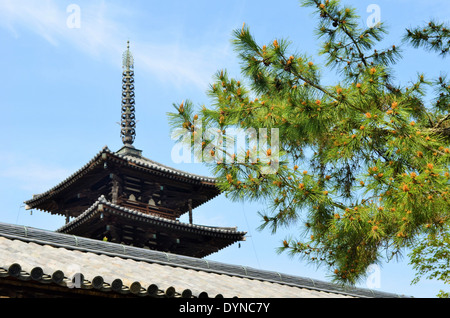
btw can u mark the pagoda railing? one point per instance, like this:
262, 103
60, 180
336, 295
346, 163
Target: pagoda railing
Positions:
147, 209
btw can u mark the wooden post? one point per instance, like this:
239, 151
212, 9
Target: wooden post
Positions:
190, 210
115, 188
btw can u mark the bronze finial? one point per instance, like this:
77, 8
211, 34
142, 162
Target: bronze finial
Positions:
128, 122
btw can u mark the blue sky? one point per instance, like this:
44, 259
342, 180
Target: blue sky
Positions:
62, 86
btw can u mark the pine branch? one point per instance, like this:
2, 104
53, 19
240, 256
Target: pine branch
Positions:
433, 37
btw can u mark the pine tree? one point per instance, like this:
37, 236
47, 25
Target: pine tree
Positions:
363, 166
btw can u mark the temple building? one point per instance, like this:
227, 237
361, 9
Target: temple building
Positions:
126, 198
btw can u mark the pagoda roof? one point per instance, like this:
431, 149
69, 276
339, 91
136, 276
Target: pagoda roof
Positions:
192, 236
128, 159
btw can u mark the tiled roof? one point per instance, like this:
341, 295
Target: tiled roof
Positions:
46, 256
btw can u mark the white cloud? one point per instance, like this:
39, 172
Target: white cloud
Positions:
181, 65
102, 34
30, 175
41, 18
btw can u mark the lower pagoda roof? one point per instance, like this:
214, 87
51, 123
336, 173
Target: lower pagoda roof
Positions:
107, 221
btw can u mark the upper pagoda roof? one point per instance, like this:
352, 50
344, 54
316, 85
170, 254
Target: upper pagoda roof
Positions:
126, 159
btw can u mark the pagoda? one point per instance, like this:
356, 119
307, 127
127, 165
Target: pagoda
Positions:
126, 198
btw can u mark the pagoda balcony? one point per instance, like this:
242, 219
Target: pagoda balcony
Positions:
147, 208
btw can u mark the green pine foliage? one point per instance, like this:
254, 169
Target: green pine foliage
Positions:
363, 170
431, 258
434, 37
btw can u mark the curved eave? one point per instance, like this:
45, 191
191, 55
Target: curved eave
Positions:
102, 204
39, 198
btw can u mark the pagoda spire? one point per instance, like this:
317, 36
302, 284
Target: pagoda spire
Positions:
128, 122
